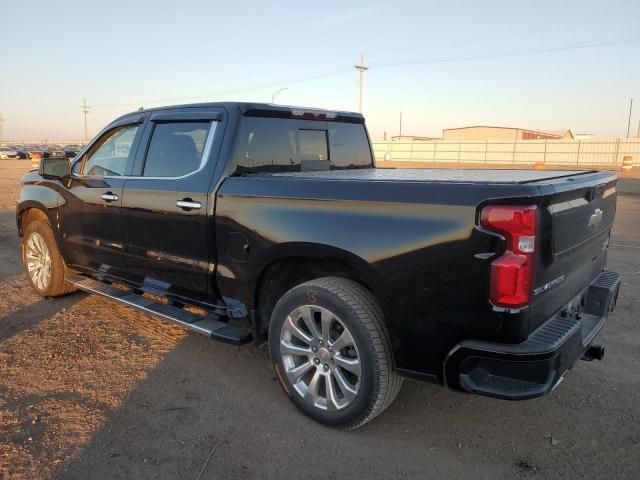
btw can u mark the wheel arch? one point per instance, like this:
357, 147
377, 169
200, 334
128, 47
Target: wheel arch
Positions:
30, 210
291, 264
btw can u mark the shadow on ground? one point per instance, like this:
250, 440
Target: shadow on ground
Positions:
10, 242
205, 395
31, 315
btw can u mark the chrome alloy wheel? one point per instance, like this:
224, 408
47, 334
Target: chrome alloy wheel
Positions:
38, 261
320, 358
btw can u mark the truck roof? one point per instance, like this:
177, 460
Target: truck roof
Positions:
268, 110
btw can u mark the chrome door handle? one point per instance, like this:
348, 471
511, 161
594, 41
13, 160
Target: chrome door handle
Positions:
188, 204
109, 197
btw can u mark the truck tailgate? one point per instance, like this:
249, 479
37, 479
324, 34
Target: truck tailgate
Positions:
575, 224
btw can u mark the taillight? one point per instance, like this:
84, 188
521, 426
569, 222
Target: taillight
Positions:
512, 273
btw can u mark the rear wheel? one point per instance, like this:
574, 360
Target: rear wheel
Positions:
42, 261
331, 352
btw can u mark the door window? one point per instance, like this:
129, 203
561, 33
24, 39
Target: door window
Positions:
109, 157
177, 149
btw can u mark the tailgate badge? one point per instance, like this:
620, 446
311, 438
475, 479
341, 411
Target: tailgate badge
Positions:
595, 218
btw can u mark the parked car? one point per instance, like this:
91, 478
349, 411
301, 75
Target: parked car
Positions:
8, 153
70, 151
19, 150
274, 222
33, 152
52, 151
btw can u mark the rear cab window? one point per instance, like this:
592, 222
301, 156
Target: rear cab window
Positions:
273, 145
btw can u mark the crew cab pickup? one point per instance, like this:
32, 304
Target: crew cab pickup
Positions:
259, 222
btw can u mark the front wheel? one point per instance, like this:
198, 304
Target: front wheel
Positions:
42, 261
331, 352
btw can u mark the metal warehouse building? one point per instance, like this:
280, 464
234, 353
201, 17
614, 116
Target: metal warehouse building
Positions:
503, 133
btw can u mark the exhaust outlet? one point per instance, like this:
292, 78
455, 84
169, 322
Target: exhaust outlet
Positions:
594, 352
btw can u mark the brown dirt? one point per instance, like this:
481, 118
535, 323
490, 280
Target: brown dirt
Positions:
91, 389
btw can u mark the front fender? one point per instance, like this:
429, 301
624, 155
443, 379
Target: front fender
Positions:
42, 198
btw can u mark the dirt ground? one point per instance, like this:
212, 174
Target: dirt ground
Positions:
91, 390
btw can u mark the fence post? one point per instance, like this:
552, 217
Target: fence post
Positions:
486, 147
615, 155
435, 147
544, 155
578, 155
513, 154
411, 152
459, 145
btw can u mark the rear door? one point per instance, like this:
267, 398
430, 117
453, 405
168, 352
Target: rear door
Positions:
165, 204
90, 213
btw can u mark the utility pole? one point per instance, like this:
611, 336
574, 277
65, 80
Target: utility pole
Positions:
361, 69
1, 122
84, 108
629, 121
400, 125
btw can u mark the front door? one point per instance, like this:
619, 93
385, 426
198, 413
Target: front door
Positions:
90, 211
165, 205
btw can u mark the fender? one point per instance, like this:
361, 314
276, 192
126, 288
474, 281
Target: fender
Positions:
42, 198
323, 251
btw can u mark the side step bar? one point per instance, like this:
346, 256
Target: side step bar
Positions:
208, 325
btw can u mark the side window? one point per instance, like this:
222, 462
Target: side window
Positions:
110, 155
176, 149
349, 146
268, 145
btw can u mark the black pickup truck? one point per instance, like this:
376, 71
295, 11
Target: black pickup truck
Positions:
259, 222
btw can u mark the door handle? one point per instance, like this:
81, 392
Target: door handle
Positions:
188, 204
109, 197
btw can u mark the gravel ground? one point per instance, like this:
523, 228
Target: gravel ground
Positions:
91, 389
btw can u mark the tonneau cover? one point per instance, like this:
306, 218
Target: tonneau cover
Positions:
435, 175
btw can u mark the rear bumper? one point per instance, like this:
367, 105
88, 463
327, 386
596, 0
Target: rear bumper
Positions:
534, 367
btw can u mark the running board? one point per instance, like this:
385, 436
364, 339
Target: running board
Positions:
208, 325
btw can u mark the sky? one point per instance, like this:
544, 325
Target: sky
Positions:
538, 65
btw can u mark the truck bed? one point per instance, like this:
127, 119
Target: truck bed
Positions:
435, 175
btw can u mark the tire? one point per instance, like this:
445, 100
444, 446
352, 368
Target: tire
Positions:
40, 254
341, 374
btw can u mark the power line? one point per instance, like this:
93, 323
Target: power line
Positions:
507, 53
85, 111
274, 83
471, 40
499, 36
344, 69
339, 70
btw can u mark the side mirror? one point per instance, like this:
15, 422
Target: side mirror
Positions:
54, 168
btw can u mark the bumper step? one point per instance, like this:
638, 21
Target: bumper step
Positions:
535, 366
209, 324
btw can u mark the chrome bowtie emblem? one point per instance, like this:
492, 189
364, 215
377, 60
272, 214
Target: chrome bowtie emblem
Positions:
595, 218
